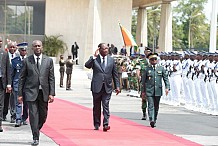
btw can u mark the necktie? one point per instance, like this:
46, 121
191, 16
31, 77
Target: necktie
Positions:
22, 57
103, 63
37, 63
12, 56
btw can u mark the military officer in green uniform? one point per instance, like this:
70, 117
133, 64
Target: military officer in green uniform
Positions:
62, 69
143, 64
69, 68
152, 86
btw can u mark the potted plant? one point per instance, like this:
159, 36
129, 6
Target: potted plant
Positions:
53, 46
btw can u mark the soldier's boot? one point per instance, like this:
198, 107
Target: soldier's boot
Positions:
144, 116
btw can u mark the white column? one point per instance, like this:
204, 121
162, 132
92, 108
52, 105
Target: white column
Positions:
213, 26
165, 35
93, 37
141, 28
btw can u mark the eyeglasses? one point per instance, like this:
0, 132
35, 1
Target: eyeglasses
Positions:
152, 59
12, 47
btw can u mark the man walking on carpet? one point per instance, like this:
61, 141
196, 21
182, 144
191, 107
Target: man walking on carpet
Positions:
38, 82
104, 71
152, 86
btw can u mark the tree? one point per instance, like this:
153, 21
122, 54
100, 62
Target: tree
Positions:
191, 21
53, 45
153, 25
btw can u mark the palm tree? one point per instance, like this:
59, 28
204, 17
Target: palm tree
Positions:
53, 45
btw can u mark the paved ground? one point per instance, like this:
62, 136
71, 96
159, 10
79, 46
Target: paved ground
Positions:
195, 126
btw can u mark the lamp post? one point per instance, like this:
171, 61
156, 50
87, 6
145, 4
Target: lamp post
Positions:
189, 29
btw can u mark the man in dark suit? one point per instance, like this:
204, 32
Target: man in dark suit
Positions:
104, 73
74, 50
152, 86
38, 82
5, 79
9, 98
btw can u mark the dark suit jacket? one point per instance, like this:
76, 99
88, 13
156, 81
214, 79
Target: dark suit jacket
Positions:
152, 81
69, 66
5, 66
74, 49
101, 76
17, 65
31, 78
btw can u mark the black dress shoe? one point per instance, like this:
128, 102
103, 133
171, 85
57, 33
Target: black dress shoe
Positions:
18, 124
12, 120
96, 128
1, 130
106, 128
25, 123
143, 118
35, 142
152, 123
4, 119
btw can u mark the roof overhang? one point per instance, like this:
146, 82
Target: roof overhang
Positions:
147, 3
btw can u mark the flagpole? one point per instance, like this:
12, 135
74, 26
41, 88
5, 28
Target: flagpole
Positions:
122, 34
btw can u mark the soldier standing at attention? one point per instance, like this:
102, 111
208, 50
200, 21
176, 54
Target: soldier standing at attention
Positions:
69, 68
152, 86
62, 69
143, 65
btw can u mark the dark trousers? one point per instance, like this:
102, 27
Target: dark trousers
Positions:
144, 105
6, 104
2, 97
61, 78
38, 111
153, 107
68, 84
101, 98
75, 55
25, 108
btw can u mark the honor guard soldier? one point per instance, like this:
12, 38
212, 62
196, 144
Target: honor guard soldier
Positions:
143, 64
62, 69
152, 86
69, 68
17, 64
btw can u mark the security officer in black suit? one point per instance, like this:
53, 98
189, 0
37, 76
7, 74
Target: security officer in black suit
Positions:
69, 68
62, 69
152, 86
74, 51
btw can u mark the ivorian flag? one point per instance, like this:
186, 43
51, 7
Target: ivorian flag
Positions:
127, 37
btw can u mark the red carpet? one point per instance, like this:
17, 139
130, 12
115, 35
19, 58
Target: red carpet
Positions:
70, 124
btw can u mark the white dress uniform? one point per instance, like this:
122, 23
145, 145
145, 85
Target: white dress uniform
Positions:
210, 66
197, 86
169, 63
176, 82
203, 87
214, 85
186, 91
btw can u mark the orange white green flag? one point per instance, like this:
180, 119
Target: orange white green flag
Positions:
127, 37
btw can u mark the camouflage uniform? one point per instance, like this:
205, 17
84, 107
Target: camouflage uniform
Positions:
143, 65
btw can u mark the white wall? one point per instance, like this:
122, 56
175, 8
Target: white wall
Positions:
70, 19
